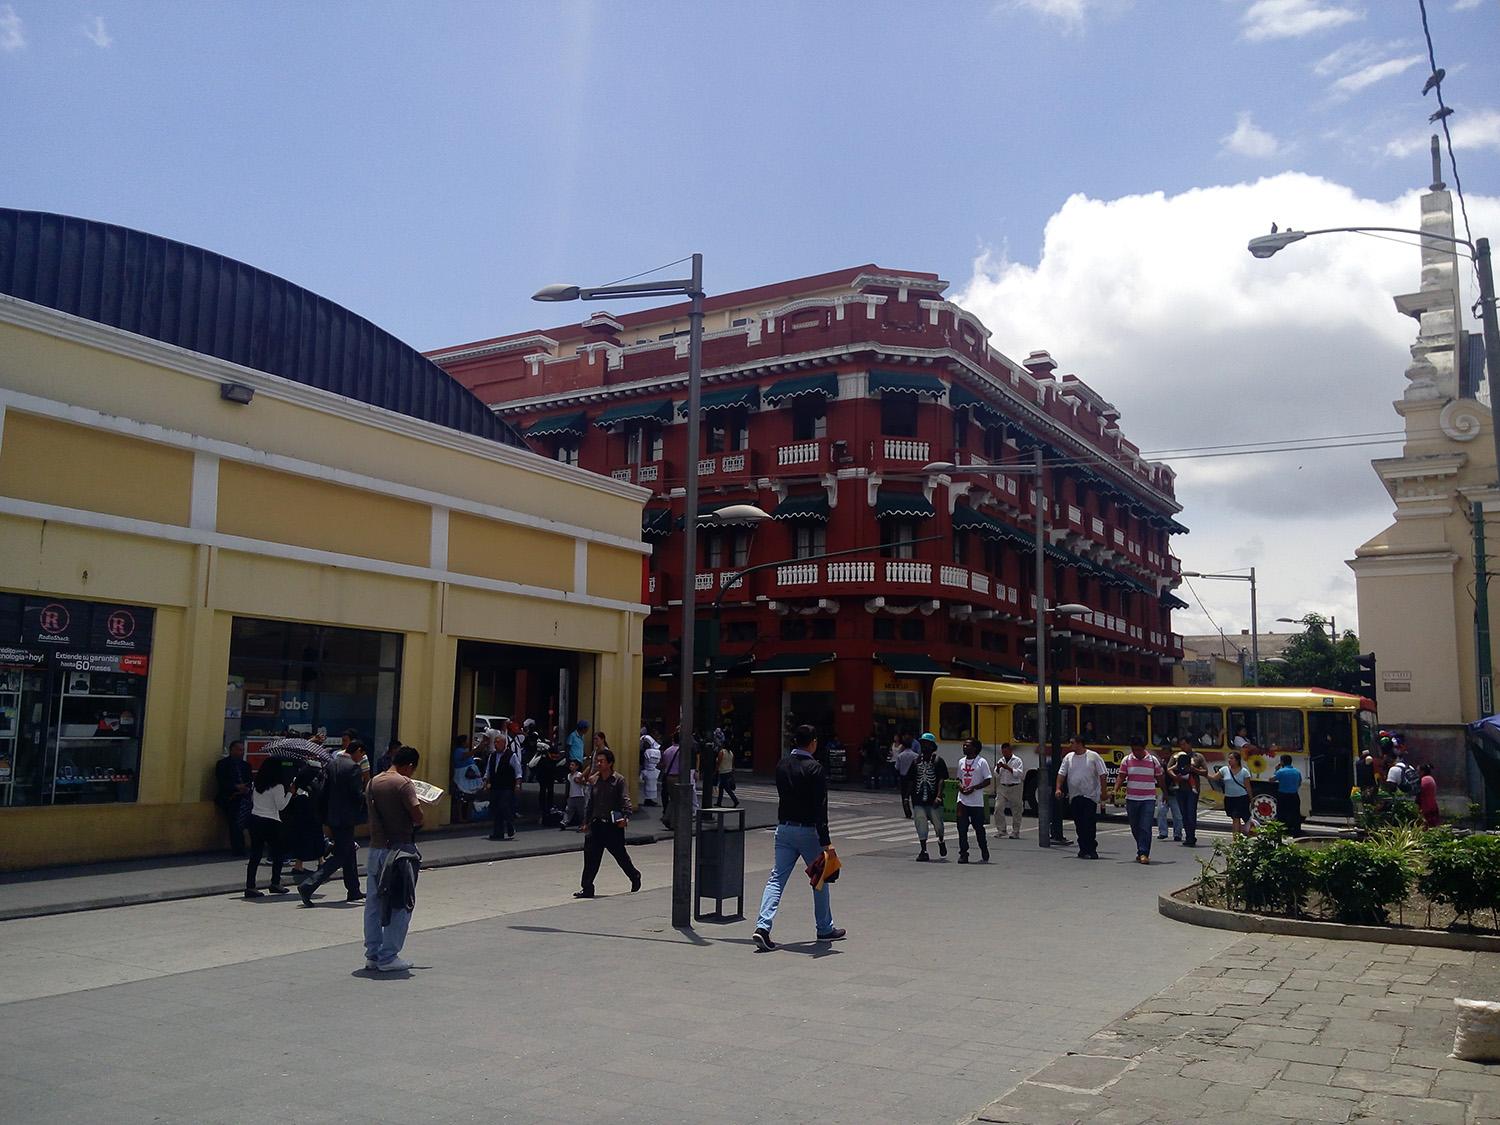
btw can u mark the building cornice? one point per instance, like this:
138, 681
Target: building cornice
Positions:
499, 347
50, 322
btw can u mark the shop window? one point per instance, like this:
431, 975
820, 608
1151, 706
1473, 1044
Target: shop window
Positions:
884, 629
809, 418
898, 415
913, 629
793, 629
289, 679
73, 678
809, 539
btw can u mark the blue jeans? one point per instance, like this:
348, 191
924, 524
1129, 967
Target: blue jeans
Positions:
1139, 813
1167, 808
793, 842
382, 943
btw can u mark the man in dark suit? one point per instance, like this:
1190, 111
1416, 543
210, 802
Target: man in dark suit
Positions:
232, 793
346, 808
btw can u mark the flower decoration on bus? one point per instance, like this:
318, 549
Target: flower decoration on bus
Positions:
1258, 764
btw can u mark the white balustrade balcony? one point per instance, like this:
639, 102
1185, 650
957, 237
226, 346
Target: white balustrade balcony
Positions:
851, 572
800, 453
620, 474
707, 466
954, 576
797, 574
905, 449
979, 583
703, 582
732, 463
903, 570
648, 472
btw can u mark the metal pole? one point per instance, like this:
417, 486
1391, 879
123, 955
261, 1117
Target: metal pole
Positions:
1046, 776
1483, 658
682, 837
1254, 636
1486, 698
1487, 320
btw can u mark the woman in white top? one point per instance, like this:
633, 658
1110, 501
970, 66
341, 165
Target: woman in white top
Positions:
1236, 780
268, 796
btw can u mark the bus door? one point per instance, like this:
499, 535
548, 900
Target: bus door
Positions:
1331, 734
993, 727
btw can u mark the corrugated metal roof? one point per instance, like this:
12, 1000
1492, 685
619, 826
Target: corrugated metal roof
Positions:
207, 303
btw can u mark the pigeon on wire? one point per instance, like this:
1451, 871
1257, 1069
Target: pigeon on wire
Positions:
1434, 80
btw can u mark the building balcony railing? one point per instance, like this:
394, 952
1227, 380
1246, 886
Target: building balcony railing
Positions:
649, 473
737, 463
801, 453
906, 449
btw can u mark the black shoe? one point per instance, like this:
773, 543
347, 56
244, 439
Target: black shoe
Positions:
512, 836
305, 892
251, 892
278, 889
942, 849
834, 934
922, 856
763, 942
583, 894
355, 896
635, 883
963, 859
497, 839
986, 858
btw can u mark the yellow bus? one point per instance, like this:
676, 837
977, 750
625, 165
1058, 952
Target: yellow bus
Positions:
1323, 731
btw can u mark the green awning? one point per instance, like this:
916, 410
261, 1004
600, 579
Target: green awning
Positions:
656, 524
722, 666
813, 506
890, 503
726, 399
825, 385
574, 423
907, 383
1175, 528
966, 518
791, 663
635, 412
1172, 601
994, 671
911, 664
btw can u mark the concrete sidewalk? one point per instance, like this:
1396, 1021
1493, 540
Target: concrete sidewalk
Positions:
1277, 1029
99, 886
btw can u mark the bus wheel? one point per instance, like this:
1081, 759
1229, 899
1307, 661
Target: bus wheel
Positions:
1262, 809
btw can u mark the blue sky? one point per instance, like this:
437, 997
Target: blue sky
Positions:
429, 165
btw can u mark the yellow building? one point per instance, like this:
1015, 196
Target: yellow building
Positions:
231, 509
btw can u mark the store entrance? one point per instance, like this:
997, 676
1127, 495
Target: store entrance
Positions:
520, 682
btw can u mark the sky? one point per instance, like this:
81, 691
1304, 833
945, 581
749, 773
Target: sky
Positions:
1085, 174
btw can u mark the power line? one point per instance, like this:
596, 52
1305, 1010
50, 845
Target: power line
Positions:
1442, 115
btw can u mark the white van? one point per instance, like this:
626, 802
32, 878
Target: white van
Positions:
483, 723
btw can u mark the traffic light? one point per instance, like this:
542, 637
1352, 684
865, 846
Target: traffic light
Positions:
1367, 683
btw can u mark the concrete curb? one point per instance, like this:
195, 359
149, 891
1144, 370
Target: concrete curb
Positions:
1195, 914
237, 886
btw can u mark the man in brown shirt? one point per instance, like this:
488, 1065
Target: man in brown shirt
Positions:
395, 816
607, 813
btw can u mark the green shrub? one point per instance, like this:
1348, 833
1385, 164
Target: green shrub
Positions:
1389, 810
1266, 872
1361, 881
1463, 873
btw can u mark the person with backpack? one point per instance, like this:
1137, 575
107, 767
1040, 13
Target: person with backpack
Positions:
1401, 777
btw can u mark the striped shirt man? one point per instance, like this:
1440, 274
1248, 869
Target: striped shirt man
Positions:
1140, 775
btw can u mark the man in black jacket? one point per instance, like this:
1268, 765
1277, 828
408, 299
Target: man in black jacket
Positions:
232, 793
345, 793
801, 833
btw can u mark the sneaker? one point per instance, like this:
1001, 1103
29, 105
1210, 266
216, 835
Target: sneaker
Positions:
834, 934
763, 942
278, 889
922, 856
355, 896
942, 849
251, 892
583, 894
371, 964
304, 892
394, 965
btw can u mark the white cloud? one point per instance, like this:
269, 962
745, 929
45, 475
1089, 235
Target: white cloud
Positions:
1248, 139
12, 34
1465, 5
1358, 80
1289, 19
97, 34
1155, 303
1071, 14
1476, 130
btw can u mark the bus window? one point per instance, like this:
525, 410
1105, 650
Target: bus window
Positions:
1269, 728
1112, 724
955, 721
1023, 719
1202, 726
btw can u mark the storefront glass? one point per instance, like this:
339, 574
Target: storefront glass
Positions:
290, 680
72, 700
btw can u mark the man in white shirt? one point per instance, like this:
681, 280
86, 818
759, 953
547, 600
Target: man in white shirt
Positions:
1083, 774
974, 777
1010, 778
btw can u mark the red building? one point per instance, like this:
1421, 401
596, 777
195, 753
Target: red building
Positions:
823, 398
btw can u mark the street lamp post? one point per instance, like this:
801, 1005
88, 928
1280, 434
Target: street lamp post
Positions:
1048, 775
692, 288
1254, 622
1332, 623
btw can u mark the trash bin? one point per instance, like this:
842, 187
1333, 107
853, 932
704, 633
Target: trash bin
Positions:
721, 864
950, 802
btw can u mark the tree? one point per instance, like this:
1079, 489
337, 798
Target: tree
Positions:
1314, 658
